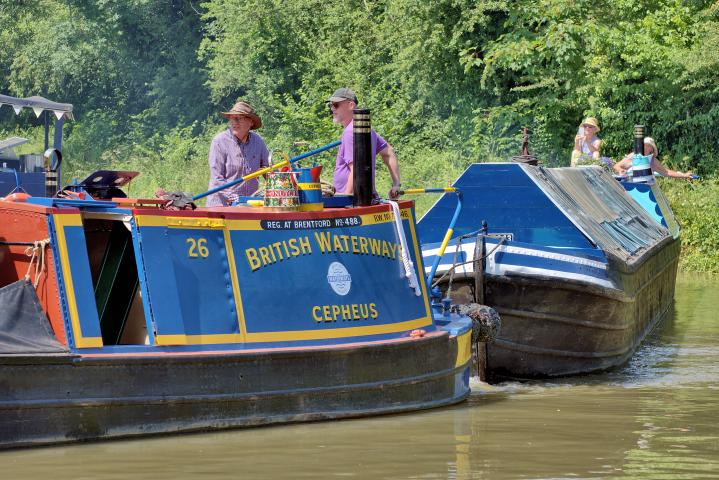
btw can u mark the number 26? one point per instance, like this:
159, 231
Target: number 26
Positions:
198, 248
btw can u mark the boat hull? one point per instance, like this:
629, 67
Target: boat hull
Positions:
557, 327
49, 399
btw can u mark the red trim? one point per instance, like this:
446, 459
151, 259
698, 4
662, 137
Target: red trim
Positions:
27, 223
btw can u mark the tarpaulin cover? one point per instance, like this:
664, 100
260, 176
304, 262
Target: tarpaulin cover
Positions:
24, 328
597, 204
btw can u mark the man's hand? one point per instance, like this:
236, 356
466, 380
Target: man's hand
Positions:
394, 191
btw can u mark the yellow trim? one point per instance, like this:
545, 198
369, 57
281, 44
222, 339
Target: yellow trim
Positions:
235, 286
243, 224
387, 216
311, 207
308, 186
209, 223
62, 221
293, 335
204, 223
68, 219
464, 349
447, 237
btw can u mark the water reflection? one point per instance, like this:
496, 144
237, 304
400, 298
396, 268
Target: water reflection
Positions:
655, 418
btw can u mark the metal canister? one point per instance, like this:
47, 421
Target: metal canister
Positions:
281, 191
310, 189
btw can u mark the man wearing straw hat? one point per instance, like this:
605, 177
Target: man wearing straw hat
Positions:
341, 104
236, 152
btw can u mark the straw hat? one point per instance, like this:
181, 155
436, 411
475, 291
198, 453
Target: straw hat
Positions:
591, 121
246, 110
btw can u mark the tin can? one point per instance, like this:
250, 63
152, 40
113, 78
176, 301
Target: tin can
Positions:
281, 191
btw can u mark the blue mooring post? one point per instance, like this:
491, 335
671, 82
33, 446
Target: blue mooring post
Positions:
362, 157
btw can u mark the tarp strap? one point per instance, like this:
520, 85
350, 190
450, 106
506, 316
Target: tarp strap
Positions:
36, 252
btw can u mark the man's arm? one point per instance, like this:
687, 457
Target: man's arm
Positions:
349, 188
390, 159
218, 172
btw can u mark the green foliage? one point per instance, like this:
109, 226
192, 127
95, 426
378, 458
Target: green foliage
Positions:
449, 82
695, 206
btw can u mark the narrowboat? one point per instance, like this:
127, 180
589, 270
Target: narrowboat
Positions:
580, 266
123, 317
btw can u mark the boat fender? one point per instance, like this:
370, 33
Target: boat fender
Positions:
17, 197
418, 333
485, 321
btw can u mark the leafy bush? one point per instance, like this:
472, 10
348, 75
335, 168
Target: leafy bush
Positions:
696, 205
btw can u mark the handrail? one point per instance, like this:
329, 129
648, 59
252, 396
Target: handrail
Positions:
262, 171
450, 229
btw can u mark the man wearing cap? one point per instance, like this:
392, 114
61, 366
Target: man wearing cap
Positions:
341, 103
236, 152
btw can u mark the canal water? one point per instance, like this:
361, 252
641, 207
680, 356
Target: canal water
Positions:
655, 418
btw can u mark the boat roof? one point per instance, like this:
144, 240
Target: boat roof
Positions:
38, 104
554, 207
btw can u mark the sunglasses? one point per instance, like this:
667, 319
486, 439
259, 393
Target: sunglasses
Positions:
336, 104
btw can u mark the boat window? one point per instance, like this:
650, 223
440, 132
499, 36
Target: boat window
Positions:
115, 281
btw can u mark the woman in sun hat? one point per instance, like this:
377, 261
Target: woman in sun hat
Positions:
627, 165
236, 152
587, 145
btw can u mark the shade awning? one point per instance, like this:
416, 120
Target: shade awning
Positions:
38, 105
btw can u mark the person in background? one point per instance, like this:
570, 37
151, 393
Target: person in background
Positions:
341, 104
587, 145
627, 165
236, 152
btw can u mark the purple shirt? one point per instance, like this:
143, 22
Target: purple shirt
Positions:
230, 160
346, 153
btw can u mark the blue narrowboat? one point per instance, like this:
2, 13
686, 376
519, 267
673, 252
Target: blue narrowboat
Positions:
580, 266
121, 317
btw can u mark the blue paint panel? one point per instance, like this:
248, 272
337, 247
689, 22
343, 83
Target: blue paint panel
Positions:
32, 183
306, 285
187, 295
642, 194
82, 281
510, 202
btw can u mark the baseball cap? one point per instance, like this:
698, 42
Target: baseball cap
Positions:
342, 94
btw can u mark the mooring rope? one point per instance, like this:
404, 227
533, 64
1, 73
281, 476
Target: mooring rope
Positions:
407, 263
456, 264
37, 256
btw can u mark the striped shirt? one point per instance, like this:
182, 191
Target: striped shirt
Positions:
230, 160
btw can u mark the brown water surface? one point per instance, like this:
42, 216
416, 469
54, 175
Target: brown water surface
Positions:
656, 418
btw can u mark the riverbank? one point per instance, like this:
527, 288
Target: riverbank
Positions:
695, 205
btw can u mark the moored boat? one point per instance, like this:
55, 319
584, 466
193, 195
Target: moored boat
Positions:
122, 317
578, 269
174, 321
